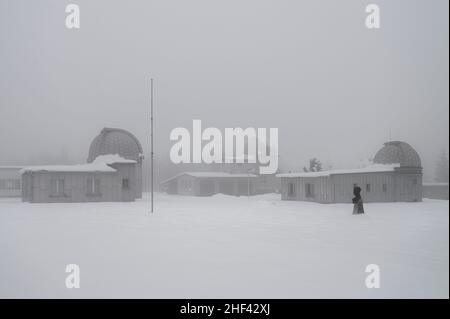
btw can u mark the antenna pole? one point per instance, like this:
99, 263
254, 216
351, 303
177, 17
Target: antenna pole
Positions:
151, 136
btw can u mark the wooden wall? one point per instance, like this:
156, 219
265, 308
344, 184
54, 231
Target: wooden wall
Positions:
8, 175
344, 183
338, 188
323, 190
38, 188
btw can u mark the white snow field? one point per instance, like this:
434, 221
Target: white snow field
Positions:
223, 247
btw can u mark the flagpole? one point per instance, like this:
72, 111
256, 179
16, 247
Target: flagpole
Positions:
151, 136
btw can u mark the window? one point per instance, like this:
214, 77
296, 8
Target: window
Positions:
10, 184
125, 183
368, 188
414, 181
309, 190
186, 185
57, 185
93, 186
291, 189
384, 188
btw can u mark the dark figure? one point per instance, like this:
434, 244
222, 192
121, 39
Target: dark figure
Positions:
358, 207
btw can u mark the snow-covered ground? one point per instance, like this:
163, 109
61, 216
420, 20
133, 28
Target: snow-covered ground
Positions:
224, 247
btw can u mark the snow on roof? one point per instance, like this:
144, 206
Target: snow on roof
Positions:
80, 168
112, 159
210, 175
369, 169
11, 167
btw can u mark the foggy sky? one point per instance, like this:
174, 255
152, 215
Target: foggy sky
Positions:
311, 68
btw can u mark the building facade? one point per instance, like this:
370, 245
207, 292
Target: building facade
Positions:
10, 181
97, 182
120, 142
113, 173
395, 176
210, 183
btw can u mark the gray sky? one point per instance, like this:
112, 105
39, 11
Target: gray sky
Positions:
311, 68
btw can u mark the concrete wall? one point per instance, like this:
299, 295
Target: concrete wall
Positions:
10, 182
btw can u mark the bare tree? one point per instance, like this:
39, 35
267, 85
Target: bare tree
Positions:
314, 165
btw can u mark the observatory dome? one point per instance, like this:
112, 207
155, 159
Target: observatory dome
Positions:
397, 152
116, 141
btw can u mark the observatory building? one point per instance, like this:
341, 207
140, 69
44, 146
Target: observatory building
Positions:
395, 176
113, 173
122, 143
10, 181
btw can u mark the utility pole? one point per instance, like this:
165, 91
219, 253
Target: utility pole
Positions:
151, 136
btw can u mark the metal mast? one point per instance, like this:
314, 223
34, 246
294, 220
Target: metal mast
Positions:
151, 136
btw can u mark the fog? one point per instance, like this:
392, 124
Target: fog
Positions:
335, 89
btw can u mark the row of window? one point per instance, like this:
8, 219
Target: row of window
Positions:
369, 187
310, 192
93, 186
9, 184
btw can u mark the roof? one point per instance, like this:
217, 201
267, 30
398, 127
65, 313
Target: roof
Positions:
375, 168
113, 159
398, 152
81, 168
210, 175
116, 141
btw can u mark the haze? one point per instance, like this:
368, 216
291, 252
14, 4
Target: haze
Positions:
335, 89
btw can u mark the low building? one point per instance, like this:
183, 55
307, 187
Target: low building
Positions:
395, 176
113, 173
435, 190
107, 178
233, 176
210, 183
10, 181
